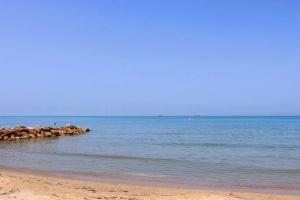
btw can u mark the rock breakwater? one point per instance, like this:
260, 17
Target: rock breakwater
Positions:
23, 132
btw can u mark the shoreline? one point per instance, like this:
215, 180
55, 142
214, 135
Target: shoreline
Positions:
156, 182
27, 184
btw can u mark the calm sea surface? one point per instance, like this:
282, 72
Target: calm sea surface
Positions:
251, 153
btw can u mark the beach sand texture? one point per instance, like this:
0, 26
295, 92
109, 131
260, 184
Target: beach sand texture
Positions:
28, 186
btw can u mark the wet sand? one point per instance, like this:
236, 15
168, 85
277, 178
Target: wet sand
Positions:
20, 185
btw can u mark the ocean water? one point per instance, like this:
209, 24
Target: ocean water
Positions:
246, 153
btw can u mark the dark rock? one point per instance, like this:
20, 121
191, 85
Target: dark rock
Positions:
23, 132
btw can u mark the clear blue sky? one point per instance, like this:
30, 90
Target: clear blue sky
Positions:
152, 57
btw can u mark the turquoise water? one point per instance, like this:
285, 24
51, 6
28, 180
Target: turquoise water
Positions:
248, 153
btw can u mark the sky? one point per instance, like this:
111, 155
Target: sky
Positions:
158, 57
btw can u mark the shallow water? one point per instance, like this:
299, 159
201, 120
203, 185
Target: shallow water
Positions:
251, 153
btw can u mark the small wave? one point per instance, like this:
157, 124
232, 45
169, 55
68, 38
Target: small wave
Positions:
267, 170
115, 157
148, 175
286, 171
230, 145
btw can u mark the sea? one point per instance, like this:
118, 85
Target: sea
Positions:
247, 153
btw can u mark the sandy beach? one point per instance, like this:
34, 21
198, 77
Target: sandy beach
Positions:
19, 185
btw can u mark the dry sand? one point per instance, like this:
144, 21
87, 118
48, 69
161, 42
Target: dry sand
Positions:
28, 186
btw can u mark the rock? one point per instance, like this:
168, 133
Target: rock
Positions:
21, 127
34, 131
47, 134
25, 136
8, 132
46, 129
23, 132
70, 126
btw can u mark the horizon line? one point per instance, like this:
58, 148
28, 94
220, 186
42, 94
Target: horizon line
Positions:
149, 115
